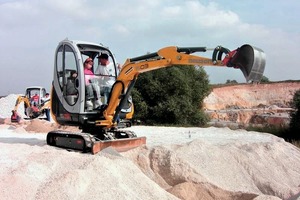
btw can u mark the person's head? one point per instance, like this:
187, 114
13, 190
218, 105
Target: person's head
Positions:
103, 59
74, 75
47, 94
88, 63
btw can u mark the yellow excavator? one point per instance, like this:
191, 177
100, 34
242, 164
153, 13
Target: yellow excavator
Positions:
100, 125
34, 101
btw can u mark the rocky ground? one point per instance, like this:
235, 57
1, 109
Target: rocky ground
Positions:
254, 104
177, 163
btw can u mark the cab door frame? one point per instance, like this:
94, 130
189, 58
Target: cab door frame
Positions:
66, 54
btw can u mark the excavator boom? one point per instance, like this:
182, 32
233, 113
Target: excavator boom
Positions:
250, 60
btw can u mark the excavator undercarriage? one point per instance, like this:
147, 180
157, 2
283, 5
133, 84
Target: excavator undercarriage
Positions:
119, 140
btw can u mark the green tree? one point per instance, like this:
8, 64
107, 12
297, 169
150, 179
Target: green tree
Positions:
172, 95
295, 117
264, 79
228, 81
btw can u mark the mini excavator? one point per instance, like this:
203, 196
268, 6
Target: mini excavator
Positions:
31, 109
99, 128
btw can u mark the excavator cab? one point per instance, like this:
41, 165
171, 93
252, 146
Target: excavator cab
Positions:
69, 94
38, 91
35, 95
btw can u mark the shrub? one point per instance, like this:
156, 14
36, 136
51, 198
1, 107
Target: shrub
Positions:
171, 95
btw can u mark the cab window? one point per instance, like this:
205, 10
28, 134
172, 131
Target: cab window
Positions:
67, 73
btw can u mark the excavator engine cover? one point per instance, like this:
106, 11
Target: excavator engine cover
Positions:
251, 61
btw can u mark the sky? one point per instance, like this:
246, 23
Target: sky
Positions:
30, 31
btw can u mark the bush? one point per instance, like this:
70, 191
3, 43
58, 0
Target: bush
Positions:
171, 95
280, 132
295, 117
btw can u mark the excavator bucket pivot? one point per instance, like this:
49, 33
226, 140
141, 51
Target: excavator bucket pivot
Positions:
119, 145
250, 60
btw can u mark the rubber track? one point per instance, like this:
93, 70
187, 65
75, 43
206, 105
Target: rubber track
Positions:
69, 140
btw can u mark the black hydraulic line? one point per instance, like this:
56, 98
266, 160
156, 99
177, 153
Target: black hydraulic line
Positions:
190, 50
223, 50
124, 99
187, 50
218, 52
144, 57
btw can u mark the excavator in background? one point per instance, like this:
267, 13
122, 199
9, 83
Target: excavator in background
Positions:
34, 105
99, 126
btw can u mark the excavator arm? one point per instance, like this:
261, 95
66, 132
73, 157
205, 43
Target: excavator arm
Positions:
250, 60
15, 115
21, 99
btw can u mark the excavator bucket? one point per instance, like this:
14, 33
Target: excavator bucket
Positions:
15, 117
119, 145
251, 61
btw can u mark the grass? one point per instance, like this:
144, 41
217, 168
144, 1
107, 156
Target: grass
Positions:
296, 143
282, 132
